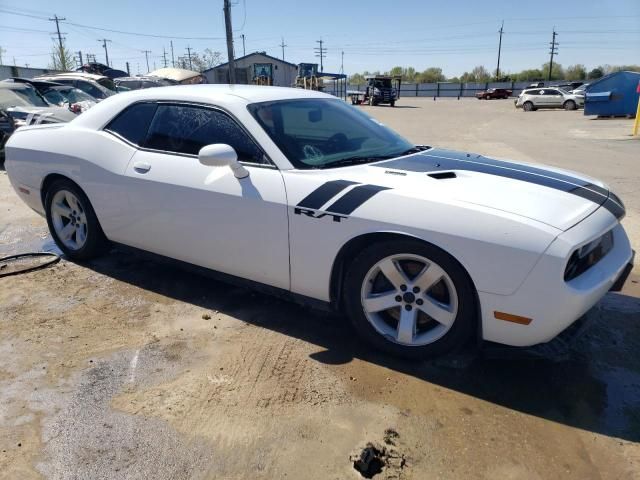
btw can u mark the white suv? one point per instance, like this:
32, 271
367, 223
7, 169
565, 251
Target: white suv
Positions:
546, 97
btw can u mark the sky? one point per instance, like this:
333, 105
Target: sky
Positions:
373, 34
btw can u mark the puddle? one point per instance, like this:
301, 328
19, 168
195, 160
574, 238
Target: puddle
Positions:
15, 239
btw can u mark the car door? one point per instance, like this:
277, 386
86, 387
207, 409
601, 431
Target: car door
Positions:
205, 215
553, 98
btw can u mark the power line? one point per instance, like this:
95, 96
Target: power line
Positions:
146, 55
499, 51
189, 55
554, 51
106, 52
320, 52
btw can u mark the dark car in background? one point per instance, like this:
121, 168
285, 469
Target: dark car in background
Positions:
136, 83
65, 95
98, 86
493, 93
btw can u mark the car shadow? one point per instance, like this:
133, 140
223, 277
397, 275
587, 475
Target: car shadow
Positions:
586, 391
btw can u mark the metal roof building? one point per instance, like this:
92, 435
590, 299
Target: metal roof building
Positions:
258, 65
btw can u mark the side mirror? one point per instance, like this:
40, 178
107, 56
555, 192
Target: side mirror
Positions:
221, 155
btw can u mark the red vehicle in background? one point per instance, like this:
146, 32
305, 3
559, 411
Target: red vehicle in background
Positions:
493, 93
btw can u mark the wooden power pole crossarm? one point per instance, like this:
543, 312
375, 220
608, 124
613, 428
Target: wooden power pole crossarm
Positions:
229, 31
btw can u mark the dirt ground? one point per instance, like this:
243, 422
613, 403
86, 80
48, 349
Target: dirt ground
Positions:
128, 368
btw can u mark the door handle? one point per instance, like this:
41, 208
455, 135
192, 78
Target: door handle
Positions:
142, 167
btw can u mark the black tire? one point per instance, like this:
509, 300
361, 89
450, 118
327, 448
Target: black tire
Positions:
569, 105
393, 103
465, 321
96, 242
528, 107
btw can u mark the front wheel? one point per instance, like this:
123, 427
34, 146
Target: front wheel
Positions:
72, 221
528, 107
410, 299
569, 105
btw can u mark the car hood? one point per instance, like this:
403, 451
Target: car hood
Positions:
556, 197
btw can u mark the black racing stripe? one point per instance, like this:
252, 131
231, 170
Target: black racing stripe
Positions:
615, 208
324, 193
525, 173
351, 200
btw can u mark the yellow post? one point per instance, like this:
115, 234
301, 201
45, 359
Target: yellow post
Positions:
636, 124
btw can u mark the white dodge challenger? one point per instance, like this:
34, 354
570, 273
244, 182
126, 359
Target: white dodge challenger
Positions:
299, 192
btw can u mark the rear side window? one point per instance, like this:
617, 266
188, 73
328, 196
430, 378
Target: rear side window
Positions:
132, 124
186, 129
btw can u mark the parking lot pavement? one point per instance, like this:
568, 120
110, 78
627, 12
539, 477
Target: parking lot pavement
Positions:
131, 368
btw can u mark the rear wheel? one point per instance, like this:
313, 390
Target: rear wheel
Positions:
72, 221
528, 107
410, 299
569, 105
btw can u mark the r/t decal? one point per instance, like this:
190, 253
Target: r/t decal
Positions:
318, 214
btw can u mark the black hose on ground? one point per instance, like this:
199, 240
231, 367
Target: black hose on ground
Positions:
6, 261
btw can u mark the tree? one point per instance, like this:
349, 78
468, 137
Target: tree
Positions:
595, 73
431, 75
479, 74
200, 63
61, 57
557, 72
575, 72
529, 74
356, 79
626, 68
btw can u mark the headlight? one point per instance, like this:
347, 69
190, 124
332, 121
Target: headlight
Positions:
588, 255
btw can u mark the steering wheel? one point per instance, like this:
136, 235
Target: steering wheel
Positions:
336, 142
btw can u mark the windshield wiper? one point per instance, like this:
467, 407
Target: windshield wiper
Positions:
354, 161
416, 149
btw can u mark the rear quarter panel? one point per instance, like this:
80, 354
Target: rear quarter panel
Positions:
95, 160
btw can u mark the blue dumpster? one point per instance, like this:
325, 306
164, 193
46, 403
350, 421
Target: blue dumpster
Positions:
613, 95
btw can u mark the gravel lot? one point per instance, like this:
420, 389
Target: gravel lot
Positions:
131, 368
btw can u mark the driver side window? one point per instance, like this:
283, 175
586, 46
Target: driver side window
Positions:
186, 129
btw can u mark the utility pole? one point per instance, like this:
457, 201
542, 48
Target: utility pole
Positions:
104, 45
80, 57
501, 31
320, 52
146, 55
554, 51
189, 55
128, 71
2, 50
342, 62
164, 57
63, 60
244, 52
282, 45
229, 31
173, 62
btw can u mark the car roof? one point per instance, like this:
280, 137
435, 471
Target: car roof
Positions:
232, 97
141, 78
83, 75
16, 86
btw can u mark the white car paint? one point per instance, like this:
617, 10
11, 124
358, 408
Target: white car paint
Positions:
513, 237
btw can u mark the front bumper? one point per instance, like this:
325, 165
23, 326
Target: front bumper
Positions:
619, 283
544, 297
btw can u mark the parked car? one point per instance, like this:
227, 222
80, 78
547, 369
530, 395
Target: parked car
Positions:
568, 86
102, 69
533, 99
26, 106
493, 93
136, 83
580, 90
98, 86
536, 85
7, 127
297, 192
59, 95
65, 95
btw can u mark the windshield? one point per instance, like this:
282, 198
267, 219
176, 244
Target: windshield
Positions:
320, 133
31, 96
54, 97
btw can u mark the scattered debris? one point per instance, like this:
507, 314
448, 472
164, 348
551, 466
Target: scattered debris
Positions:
390, 436
206, 316
376, 458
